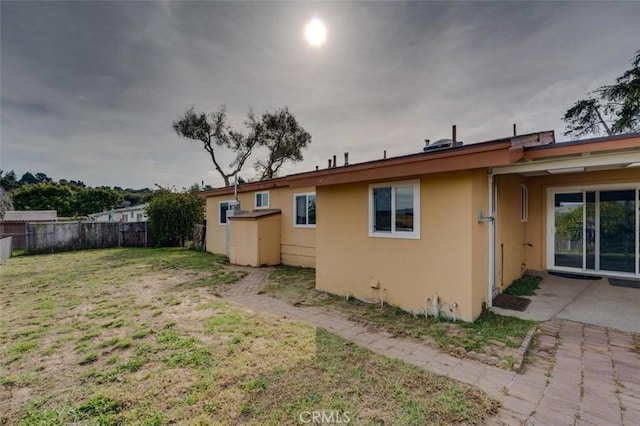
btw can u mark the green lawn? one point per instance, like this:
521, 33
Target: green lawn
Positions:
492, 334
137, 336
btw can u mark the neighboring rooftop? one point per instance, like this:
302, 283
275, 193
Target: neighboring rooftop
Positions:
30, 215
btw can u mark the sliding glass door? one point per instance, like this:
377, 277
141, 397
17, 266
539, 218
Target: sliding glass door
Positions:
594, 230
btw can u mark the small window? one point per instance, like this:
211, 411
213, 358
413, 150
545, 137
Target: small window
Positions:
222, 211
139, 217
394, 210
304, 210
262, 200
524, 203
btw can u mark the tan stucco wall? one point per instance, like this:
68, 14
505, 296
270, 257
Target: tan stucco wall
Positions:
480, 242
536, 229
297, 245
440, 263
215, 232
511, 232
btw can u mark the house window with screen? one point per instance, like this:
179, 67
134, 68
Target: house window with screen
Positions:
524, 203
304, 210
222, 211
394, 210
262, 200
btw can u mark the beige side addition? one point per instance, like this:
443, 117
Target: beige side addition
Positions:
255, 238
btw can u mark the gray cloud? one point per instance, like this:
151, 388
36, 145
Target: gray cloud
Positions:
89, 89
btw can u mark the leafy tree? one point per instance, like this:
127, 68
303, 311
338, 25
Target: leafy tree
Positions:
284, 138
172, 215
611, 109
95, 200
45, 196
42, 178
278, 132
213, 131
5, 202
28, 179
9, 180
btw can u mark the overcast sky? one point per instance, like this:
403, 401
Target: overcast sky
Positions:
89, 90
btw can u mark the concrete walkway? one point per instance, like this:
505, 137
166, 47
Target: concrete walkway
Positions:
578, 375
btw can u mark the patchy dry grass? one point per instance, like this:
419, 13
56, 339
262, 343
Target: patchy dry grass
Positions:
136, 336
492, 334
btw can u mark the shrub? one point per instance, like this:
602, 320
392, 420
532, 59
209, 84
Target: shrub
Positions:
173, 215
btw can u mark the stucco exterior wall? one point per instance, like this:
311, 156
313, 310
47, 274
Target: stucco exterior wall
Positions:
297, 245
511, 232
408, 271
480, 242
536, 228
216, 233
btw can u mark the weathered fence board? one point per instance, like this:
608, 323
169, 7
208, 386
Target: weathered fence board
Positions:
65, 236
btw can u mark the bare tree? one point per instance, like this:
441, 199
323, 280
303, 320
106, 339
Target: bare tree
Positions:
213, 131
283, 136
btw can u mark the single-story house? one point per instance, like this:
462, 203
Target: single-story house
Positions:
453, 225
125, 214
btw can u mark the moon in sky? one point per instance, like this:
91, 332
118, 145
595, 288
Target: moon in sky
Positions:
315, 32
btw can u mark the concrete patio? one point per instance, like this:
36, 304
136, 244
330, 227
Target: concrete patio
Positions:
587, 301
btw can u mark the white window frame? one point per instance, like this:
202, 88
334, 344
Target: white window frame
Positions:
524, 203
220, 206
415, 234
295, 206
262, 193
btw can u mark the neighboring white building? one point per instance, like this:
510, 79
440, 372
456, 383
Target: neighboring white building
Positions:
126, 214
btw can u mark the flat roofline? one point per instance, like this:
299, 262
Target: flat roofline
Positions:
492, 153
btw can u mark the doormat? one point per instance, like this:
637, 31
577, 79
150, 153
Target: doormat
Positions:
624, 283
507, 301
575, 276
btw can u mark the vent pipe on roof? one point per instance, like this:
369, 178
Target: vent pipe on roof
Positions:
453, 135
384, 155
335, 162
346, 158
317, 168
514, 130
329, 162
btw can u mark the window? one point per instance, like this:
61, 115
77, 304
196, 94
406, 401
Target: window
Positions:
222, 211
304, 210
394, 210
262, 200
524, 203
139, 217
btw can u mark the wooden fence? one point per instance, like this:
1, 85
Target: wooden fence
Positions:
50, 237
16, 229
